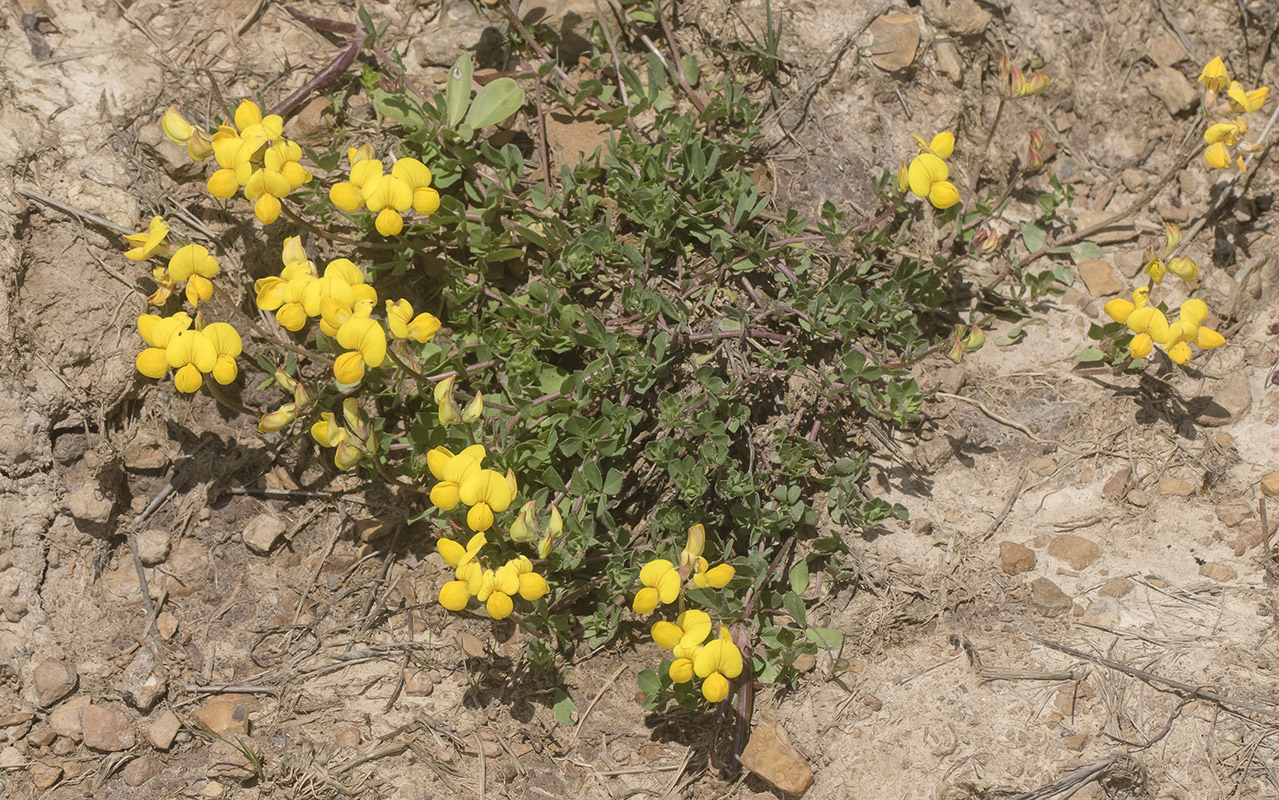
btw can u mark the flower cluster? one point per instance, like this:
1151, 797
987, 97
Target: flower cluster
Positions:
463, 479
173, 344
495, 588
1226, 102
344, 304
1016, 83
927, 174
388, 195
663, 583
1150, 327
252, 154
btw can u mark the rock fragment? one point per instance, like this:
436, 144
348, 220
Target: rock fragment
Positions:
770, 756
1076, 551
262, 532
1048, 599
53, 680
1015, 558
106, 728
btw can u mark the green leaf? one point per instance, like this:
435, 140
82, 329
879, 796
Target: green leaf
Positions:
564, 708
612, 482
799, 577
1033, 236
825, 637
1085, 251
794, 606
648, 681
1089, 355
691, 71
458, 90
495, 102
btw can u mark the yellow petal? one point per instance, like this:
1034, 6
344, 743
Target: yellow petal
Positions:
454, 595
645, 601
452, 552
1194, 310
1118, 309
715, 688
389, 222
426, 201
943, 194
925, 170
666, 634
681, 670
444, 496
412, 172
668, 587
480, 517
943, 144
719, 577
223, 184
1141, 345
1217, 156
533, 586
152, 363
347, 196
1208, 339
1180, 353
348, 368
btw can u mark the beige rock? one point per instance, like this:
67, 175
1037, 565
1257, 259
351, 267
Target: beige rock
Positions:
1015, 558
167, 625
1176, 487
144, 682
262, 532
961, 18
89, 504
1270, 484
1139, 498
1172, 89
226, 713
147, 450
53, 680
1230, 400
805, 662
950, 62
106, 728
140, 770
894, 39
348, 737
45, 775
1165, 48
417, 682
1076, 741
163, 729
40, 735
1116, 587
1076, 551
311, 121
770, 756
1217, 571
1232, 513
153, 546
1048, 598
65, 719
1099, 278
1102, 612
1117, 485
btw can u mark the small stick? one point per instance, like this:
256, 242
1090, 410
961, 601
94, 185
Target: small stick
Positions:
1008, 506
1265, 524
582, 721
697, 102
247, 688
1194, 691
67, 208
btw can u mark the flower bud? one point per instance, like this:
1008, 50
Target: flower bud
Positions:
449, 413
354, 418
200, 146
347, 454
301, 396
1005, 68
286, 381
474, 409
976, 338
525, 527
988, 239
696, 544
1016, 83
278, 419
1172, 238
1037, 84
553, 530
176, 127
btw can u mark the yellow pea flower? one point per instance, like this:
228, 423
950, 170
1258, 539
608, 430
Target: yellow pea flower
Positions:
661, 583
193, 355
553, 530
716, 664
334, 313
716, 577
1230, 133
942, 145
148, 243
326, 431
450, 471
184, 134
1246, 102
194, 265
1156, 269
688, 630
532, 585
226, 343
1214, 77
279, 419
366, 341
693, 548
1184, 268
496, 588
1119, 309
404, 325
927, 176
455, 594
486, 492
158, 332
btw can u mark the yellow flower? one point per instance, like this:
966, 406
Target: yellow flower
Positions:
1119, 309
927, 176
1246, 102
334, 313
1184, 268
694, 547
532, 585
342, 280
1217, 156
254, 155
388, 195
450, 471
366, 341
486, 492
1230, 133
496, 588
157, 332
184, 134
192, 355
455, 594
279, 419
661, 583
226, 343
280, 174
399, 318
163, 286
149, 242
194, 265
1156, 268
684, 639
327, 432
717, 663
553, 530
942, 145
1214, 77
714, 578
